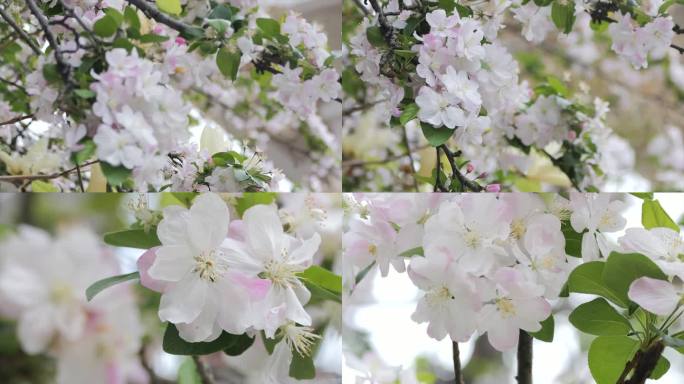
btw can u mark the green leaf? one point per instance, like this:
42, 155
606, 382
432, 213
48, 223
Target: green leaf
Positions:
547, 330
241, 344
653, 215
643, 195
250, 199
115, 175
661, 368
131, 18
666, 5
436, 136
597, 317
563, 15
573, 240
43, 186
375, 37
187, 373
172, 7
302, 367
587, 278
409, 113
270, 344
85, 153
622, 269
103, 284
105, 26
228, 62
322, 277
221, 11
133, 238
152, 38
270, 27
447, 5
220, 25
608, 356
417, 251
117, 16
320, 293
175, 345
84, 93
364, 272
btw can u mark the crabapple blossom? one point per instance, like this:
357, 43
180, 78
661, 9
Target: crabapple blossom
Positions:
595, 213
451, 302
664, 245
513, 304
200, 274
267, 251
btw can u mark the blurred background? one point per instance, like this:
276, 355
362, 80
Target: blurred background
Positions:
381, 340
122, 342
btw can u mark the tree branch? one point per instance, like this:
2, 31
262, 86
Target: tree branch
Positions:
24, 36
16, 120
204, 371
458, 374
62, 66
646, 362
158, 16
524, 358
466, 184
15, 178
410, 156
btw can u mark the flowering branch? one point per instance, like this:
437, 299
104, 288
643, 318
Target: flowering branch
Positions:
643, 364
155, 14
466, 184
62, 66
15, 178
20, 31
524, 358
16, 120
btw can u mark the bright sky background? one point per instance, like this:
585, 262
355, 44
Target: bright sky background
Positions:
399, 341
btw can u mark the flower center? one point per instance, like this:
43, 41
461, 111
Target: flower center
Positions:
299, 338
61, 293
472, 240
438, 295
280, 272
208, 265
373, 249
518, 229
505, 307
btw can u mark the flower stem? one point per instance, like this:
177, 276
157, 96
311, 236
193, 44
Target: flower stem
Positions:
458, 374
524, 358
204, 371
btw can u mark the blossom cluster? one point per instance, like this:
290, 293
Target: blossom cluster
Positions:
484, 263
636, 43
138, 97
240, 276
42, 286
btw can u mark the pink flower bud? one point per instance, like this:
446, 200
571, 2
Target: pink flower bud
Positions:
493, 188
180, 40
482, 175
572, 135
469, 168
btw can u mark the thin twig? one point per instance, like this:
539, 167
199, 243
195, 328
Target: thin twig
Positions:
466, 184
410, 156
204, 371
16, 120
14, 178
458, 374
524, 358
62, 66
155, 14
24, 36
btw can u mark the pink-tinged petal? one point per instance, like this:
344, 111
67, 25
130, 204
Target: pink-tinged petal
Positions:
144, 263
656, 296
255, 287
237, 230
113, 374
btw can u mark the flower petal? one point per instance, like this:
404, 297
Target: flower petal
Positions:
172, 263
208, 221
264, 231
656, 296
184, 301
